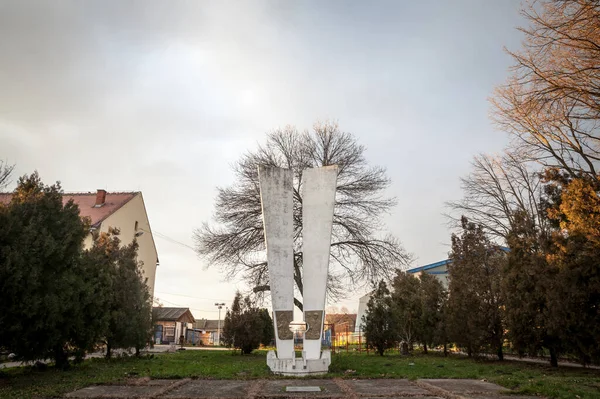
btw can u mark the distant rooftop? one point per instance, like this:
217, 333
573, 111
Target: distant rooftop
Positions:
170, 314
439, 263
429, 266
208, 325
341, 318
91, 205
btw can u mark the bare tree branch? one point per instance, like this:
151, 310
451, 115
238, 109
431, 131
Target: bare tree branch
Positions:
495, 190
551, 103
6, 171
359, 253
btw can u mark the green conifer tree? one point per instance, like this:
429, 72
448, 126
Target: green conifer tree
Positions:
130, 306
527, 282
41, 281
379, 320
246, 325
407, 307
575, 295
432, 298
475, 318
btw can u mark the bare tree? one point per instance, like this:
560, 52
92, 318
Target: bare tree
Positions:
496, 190
6, 171
358, 253
551, 103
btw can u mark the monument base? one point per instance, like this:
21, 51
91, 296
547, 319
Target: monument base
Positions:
299, 367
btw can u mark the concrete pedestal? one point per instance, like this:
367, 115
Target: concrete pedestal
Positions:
299, 367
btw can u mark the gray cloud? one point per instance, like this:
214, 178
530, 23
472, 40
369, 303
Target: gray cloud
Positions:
163, 96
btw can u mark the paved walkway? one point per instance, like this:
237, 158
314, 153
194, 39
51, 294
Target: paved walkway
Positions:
301, 388
536, 360
547, 362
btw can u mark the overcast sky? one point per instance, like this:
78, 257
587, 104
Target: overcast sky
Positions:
163, 96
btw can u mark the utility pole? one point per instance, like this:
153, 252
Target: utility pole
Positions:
220, 306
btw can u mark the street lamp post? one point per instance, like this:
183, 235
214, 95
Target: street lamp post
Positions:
220, 306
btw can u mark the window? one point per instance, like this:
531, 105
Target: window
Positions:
169, 332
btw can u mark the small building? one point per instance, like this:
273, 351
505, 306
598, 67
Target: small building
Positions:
340, 322
209, 330
171, 323
438, 269
362, 310
340, 327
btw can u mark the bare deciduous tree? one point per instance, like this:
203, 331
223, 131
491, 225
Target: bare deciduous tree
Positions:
551, 103
495, 190
358, 254
5, 173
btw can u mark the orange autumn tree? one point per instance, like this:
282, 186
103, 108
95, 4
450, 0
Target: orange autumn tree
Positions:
575, 299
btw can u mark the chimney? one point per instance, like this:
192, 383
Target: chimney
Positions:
100, 198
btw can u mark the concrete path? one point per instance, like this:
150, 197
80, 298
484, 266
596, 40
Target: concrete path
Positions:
300, 388
46, 361
547, 362
535, 360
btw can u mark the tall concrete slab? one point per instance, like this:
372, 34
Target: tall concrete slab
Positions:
318, 200
276, 187
277, 208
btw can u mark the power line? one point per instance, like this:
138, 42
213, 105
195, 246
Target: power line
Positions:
182, 306
172, 240
189, 296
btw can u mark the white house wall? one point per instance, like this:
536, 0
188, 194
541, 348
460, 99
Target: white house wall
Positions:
362, 310
124, 219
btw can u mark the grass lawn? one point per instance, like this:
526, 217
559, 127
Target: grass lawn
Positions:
524, 378
529, 379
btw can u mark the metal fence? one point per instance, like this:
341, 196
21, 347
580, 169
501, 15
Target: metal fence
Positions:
345, 340
338, 341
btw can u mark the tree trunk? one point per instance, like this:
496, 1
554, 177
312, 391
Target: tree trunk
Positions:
469, 351
499, 334
108, 350
425, 349
445, 349
553, 358
404, 349
61, 360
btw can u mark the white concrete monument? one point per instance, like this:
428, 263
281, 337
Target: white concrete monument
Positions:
318, 200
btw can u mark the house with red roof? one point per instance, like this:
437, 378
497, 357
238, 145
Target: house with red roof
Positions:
123, 210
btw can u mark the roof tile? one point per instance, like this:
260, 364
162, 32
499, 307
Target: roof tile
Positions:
86, 202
